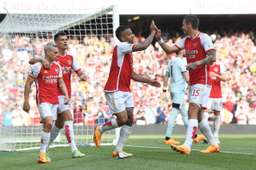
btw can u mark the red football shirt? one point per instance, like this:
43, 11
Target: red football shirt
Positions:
67, 63
195, 50
46, 82
121, 68
216, 82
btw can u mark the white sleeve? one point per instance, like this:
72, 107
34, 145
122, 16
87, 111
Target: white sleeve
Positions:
206, 42
125, 47
75, 65
35, 70
60, 72
182, 66
180, 43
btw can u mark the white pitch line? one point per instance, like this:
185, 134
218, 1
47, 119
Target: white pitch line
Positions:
156, 147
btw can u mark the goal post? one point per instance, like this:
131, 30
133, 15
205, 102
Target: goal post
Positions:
23, 35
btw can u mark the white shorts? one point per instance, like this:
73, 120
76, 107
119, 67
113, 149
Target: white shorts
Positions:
199, 94
215, 104
178, 97
118, 101
48, 110
62, 106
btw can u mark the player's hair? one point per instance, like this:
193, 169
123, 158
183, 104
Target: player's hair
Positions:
61, 33
193, 19
49, 46
119, 31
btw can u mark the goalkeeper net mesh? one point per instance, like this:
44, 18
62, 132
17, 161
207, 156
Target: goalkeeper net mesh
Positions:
22, 36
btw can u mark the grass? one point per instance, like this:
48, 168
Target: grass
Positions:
238, 153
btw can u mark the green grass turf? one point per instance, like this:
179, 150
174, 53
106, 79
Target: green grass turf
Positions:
238, 153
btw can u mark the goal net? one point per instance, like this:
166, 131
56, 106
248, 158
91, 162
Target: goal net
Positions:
22, 36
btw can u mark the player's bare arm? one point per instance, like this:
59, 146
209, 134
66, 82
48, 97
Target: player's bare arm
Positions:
210, 59
29, 82
63, 89
145, 79
222, 77
44, 62
81, 75
143, 45
165, 83
167, 48
186, 76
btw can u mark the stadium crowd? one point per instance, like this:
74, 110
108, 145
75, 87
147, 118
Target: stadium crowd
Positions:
236, 52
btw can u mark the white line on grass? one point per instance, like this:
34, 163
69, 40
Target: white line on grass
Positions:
156, 147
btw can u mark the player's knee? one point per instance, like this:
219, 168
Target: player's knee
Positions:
59, 124
47, 126
193, 111
194, 106
123, 120
66, 115
130, 120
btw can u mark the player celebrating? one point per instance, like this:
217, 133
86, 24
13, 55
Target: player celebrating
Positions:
178, 75
64, 117
117, 89
48, 83
200, 53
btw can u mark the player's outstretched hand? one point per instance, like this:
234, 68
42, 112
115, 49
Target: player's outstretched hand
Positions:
155, 83
153, 27
158, 34
46, 64
26, 106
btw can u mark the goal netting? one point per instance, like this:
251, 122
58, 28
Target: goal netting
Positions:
22, 36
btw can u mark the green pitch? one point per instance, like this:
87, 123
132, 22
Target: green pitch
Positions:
238, 153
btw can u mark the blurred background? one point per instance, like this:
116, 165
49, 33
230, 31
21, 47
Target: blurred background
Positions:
230, 23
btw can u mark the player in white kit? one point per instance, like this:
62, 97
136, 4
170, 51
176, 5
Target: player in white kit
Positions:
177, 73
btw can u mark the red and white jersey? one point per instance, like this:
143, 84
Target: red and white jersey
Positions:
120, 74
216, 82
68, 63
46, 82
195, 50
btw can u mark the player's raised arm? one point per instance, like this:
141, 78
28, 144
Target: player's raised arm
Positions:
167, 48
145, 79
43, 61
143, 45
29, 82
126, 36
165, 84
166, 77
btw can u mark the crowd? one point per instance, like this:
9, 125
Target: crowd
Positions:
236, 52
